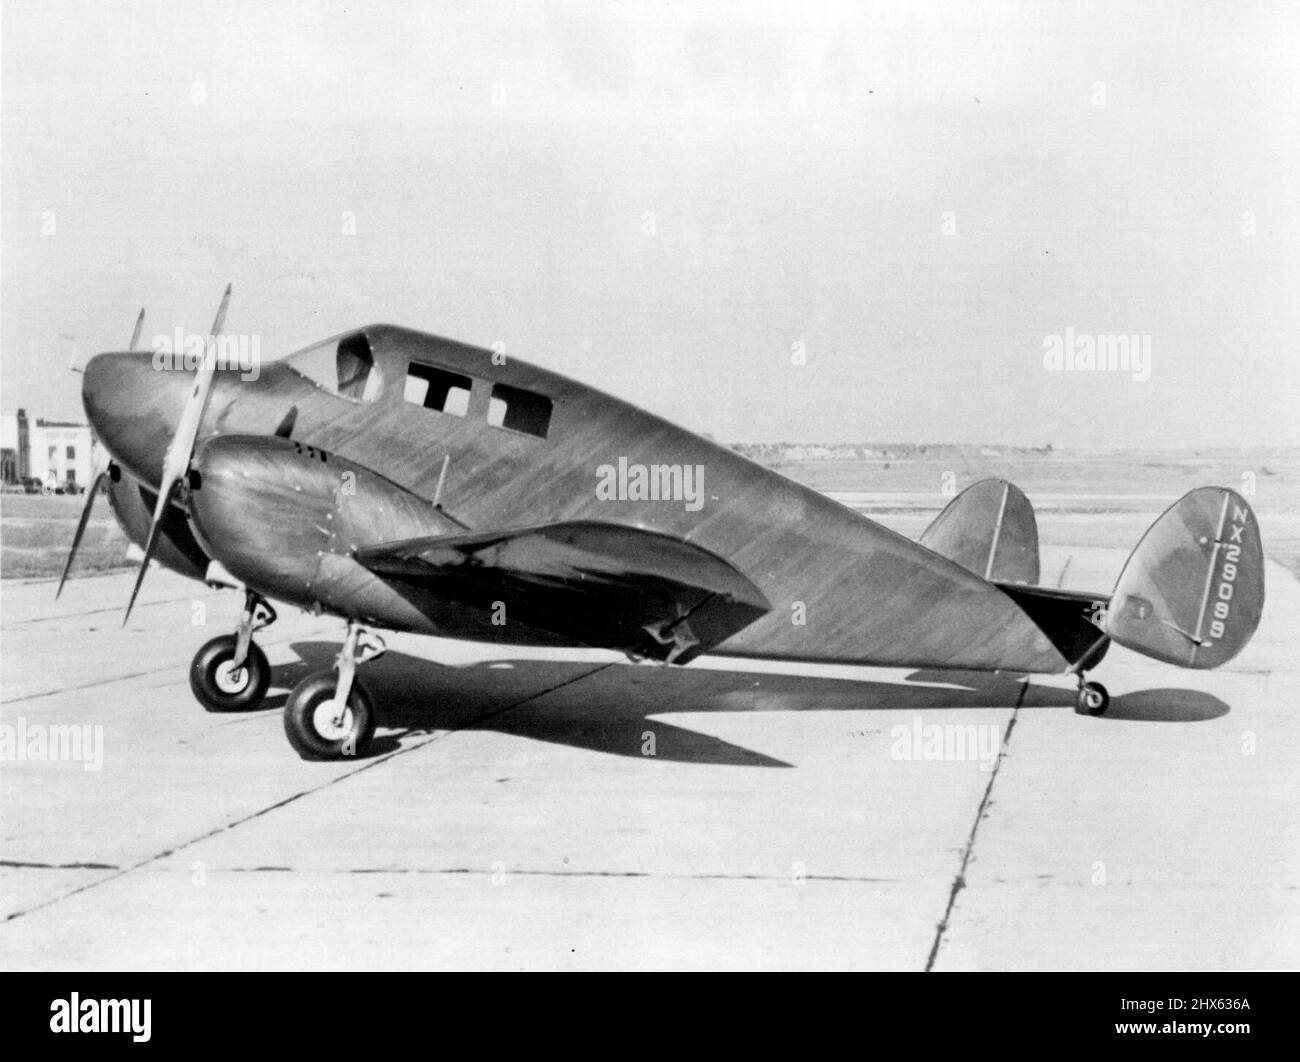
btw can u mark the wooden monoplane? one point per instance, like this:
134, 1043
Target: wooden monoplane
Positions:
401, 481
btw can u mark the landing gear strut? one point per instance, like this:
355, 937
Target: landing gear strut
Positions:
328, 716
231, 673
1092, 698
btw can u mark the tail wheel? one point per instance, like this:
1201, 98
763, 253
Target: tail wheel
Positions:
220, 686
1093, 699
314, 728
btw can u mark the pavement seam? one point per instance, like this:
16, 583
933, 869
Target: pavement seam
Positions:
524, 872
51, 618
157, 856
164, 669
959, 882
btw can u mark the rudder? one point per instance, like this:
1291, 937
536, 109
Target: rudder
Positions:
1192, 591
989, 529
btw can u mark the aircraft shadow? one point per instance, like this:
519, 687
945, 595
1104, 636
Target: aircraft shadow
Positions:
609, 708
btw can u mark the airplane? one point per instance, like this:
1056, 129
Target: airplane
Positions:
405, 482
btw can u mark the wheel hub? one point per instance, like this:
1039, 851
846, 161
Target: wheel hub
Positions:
230, 679
328, 725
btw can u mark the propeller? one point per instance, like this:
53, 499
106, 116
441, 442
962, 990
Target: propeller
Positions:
91, 491
176, 461
135, 336
104, 470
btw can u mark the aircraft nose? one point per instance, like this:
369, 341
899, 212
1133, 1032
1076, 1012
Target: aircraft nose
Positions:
133, 408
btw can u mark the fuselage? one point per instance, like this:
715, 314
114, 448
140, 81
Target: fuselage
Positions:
504, 444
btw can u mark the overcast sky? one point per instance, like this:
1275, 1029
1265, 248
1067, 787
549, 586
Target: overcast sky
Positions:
667, 200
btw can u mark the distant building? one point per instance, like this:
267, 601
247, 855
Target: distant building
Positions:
55, 452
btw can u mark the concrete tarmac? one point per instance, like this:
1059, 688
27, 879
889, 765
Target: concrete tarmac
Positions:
529, 809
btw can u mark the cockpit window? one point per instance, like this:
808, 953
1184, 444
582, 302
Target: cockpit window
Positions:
356, 366
344, 367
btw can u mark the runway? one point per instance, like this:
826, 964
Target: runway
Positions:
533, 809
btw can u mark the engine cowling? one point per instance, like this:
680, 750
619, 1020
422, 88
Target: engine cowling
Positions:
286, 517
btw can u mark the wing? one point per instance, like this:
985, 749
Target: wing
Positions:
605, 585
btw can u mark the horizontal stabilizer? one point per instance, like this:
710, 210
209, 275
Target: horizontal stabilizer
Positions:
989, 529
1192, 591
603, 585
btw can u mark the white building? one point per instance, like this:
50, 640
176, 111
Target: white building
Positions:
53, 451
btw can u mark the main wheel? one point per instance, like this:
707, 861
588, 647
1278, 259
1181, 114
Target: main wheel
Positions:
222, 687
1093, 699
311, 727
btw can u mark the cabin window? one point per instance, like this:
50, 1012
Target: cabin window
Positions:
519, 410
434, 388
344, 367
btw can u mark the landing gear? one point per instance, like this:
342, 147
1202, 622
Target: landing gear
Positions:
329, 715
1092, 698
231, 673
220, 684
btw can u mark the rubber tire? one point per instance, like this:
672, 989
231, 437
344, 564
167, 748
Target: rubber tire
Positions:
1092, 699
203, 676
300, 728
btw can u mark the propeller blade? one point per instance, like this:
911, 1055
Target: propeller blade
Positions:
176, 461
181, 449
135, 336
93, 489
220, 322
135, 342
164, 497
